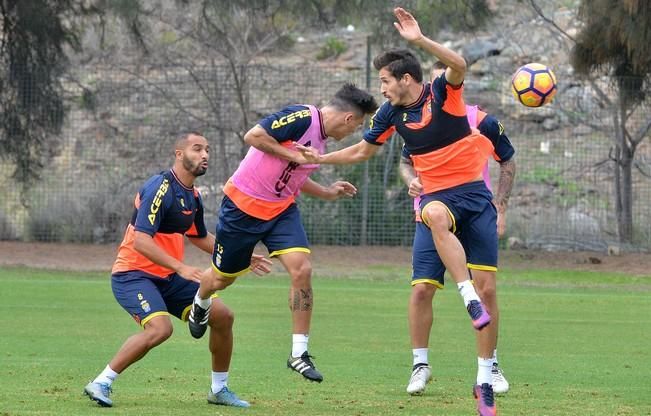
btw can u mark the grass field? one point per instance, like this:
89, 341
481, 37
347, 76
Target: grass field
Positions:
571, 343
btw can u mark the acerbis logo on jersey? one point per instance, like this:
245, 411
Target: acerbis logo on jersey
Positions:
158, 199
285, 120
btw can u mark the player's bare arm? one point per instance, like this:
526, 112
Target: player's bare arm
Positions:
504, 188
333, 192
203, 243
258, 138
409, 177
145, 245
353, 154
408, 28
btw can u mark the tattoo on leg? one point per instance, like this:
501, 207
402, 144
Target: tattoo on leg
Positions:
307, 297
294, 301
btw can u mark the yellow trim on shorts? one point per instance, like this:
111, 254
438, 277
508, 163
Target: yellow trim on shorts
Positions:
231, 275
481, 267
290, 250
186, 311
430, 281
424, 217
153, 315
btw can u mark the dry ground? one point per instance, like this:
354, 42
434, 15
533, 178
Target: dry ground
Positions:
100, 258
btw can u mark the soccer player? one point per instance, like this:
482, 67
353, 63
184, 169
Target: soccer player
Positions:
259, 205
426, 278
151, 281
449, 158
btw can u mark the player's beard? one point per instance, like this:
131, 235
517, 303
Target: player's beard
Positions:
195, 168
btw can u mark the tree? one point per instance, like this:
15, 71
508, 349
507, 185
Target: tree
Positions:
614, 41
32, 43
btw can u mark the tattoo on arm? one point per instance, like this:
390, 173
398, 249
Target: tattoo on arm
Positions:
505, 184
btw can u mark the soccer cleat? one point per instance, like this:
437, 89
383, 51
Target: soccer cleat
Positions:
225, 397
500, 385
478, 314
421, 375
485, 400
198, 320
100, 393
304, 366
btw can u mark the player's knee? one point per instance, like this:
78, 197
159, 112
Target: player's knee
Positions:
302, 275
437, 218
221, 318
158, 333
422, 293
487, 293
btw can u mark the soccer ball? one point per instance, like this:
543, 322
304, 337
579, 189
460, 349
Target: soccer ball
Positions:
534, 85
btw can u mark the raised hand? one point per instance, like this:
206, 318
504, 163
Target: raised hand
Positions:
407, 25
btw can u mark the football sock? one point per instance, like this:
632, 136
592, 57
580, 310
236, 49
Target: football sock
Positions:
420, 356
219, 381
299, 344
107, 376
467, 291
495, 356
484, 367
203, 303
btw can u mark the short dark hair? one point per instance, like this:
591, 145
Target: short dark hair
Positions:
351, 98
182, 138
399, 62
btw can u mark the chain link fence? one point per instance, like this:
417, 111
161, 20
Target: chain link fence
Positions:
122, 122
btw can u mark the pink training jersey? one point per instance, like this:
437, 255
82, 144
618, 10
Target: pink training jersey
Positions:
473, 119
269, 178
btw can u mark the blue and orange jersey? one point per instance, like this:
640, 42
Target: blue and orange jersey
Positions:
493, 129
446, 152
167, 210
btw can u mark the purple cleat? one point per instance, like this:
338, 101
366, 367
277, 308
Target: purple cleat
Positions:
485, 400
478, 314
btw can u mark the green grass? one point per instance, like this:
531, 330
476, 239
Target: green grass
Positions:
570, 343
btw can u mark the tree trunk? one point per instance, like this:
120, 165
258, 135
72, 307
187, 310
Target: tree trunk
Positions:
625, 216
623, 179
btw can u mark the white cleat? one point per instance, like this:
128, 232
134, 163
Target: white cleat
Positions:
500, 385
419, 379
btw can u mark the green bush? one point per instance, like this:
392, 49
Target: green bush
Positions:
332, 48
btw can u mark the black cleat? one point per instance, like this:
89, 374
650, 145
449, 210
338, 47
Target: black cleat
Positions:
304, 366
198, 320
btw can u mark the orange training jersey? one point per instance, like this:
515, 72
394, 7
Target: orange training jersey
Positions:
445, 151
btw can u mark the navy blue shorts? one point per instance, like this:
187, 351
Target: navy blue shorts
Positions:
474, 222
238, 233
145, 296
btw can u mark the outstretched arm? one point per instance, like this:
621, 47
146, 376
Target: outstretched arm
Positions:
335, 191
408, 28
353, 154
504, 187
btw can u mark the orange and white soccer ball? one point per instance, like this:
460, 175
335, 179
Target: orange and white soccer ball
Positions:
534, 85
